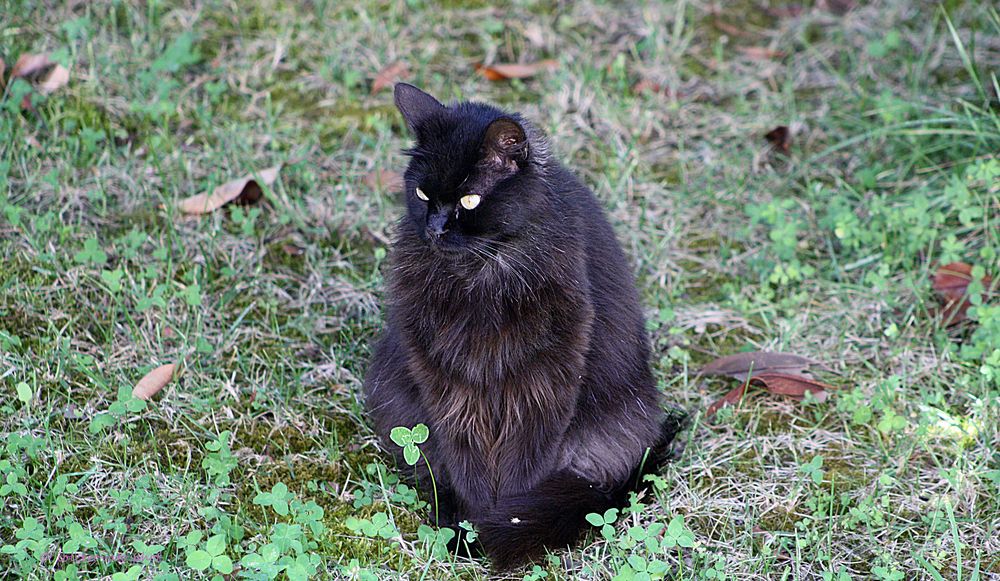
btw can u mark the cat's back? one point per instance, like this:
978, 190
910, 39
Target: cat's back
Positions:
609, 270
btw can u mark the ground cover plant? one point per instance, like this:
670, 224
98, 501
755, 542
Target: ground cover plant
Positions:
817, 178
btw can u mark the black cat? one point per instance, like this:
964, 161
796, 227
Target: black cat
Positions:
514, 332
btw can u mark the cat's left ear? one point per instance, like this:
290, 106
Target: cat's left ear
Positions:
505, 145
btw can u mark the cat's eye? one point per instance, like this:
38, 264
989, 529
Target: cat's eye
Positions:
422, 195
471, 201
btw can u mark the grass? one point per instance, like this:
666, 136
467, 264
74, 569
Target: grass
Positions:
257, 455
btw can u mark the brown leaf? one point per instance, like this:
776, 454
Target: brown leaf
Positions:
31, 66
780, 138
502, 72
154, 381
952, 281
792, 385
244, 191
55, 80
388, 76
3, 79
48, 76
731, 398
740, 365
761, 53
384, 180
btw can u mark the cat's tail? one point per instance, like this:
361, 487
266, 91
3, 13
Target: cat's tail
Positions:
553, 514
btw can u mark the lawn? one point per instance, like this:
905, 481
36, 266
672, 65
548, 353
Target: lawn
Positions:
255, 460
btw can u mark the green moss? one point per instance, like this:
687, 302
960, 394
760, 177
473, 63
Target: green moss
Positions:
171, 448
842, 475
778, 519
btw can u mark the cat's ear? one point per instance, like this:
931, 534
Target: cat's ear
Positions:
415, 105
505, 144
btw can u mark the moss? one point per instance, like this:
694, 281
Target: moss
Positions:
666, 174
144, 219
264, 438
167, 445
285, 255
842, 475
778, 519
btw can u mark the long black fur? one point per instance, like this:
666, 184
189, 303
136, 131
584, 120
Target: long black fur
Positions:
514, 331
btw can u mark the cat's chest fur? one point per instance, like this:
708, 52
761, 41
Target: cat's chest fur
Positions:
490, 367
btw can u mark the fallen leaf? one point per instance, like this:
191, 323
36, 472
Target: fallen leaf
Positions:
952, 281
55, 80
761, 53
780, 138
384, 179
154, 381
792, 385
244, 191
502, 72
778, 373
47, 76
31, 66
741, 365
388, 76
731, 398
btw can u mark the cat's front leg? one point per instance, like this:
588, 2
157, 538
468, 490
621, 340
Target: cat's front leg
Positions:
470, 474
391, 399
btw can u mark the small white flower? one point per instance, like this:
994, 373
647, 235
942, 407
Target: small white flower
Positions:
515, 520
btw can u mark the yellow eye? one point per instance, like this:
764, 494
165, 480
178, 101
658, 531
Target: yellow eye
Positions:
422, 195
471, 201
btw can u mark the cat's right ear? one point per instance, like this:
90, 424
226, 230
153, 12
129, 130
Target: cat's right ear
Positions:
415, 105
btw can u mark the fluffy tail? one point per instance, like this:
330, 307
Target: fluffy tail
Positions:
553, 514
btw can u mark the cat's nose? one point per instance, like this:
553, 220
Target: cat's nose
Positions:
436, 225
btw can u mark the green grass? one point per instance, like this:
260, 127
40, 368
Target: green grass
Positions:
258, 453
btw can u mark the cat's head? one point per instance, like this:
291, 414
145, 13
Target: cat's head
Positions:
474, 174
